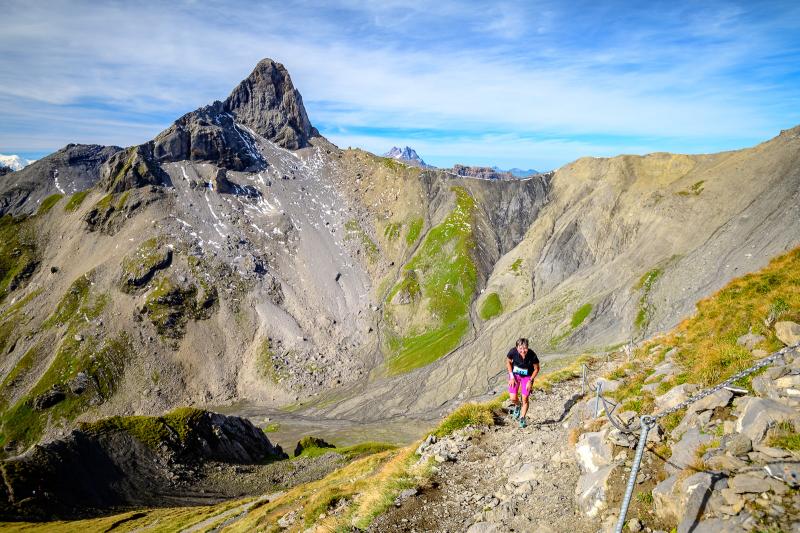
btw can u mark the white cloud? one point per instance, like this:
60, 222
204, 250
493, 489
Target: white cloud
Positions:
119, 73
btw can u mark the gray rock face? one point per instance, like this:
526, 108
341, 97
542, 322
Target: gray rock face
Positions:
268, 103
593, 452
132, 168
74, 168
106, 465
750, 340
208, 134
591, 491
684, 453
759, 414
788, 332
675, 396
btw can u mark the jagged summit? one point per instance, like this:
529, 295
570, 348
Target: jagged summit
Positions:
406, 155
267, 102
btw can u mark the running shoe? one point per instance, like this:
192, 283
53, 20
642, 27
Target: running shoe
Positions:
517, 409
522, 423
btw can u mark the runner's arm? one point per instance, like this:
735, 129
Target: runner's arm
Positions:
535, 371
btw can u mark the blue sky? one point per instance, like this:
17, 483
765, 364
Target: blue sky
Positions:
518, 84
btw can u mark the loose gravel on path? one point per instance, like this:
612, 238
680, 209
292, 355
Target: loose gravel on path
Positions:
501, 478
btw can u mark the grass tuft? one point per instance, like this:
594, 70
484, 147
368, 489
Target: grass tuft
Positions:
491, 307
75, 201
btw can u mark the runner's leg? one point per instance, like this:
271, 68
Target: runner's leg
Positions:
525, 392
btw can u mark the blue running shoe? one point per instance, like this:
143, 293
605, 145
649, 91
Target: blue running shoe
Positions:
522, 423
517, 409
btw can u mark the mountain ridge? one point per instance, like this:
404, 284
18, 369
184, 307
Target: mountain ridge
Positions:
245, 258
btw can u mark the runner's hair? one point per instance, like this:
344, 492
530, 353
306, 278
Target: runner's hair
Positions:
522, 341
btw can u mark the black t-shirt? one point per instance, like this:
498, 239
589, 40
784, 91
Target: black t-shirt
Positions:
520, 366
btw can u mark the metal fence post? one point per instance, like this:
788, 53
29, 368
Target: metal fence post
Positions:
648, 422
597, 399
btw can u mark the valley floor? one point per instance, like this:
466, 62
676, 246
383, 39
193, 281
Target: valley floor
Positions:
500, 478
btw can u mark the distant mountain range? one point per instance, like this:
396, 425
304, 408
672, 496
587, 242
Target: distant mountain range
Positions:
409, 156
518, 172
14, 162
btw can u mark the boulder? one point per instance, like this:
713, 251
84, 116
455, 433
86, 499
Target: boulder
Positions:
592, 452
765, 387
760, 413
717, 525
685, 452
310, 442
49, 398
788, 472
738, 445
651, 387
691, 420
790, 381
788, 332
666, 369
724, 463
525, 474
750, 340
665, 501
79, 383
694, 494
591, 491
220, 182
608, 385
749, 483
721, 398
674, 396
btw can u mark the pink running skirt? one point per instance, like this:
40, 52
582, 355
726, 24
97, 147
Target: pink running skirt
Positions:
521, 383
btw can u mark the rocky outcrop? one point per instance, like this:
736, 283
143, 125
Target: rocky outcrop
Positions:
130, 461
724, 462
133, 168
267, 102
74, 168
208, 134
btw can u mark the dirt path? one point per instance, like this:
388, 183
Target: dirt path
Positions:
503, 478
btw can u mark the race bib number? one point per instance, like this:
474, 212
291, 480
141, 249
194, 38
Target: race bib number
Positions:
520, 371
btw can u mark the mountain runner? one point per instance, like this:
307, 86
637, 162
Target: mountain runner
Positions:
523, 366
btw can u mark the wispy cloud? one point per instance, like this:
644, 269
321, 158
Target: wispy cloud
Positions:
528, 85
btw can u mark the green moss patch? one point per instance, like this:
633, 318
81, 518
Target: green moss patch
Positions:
491, 307
645, 285
414, 230
48, 203
445, 271
169, 306
694, 190
580, 315
139, 267
75, 201
18, 255
356, 232
392, 231
268, 365
516, 265
103, 363
314, 447
150, 430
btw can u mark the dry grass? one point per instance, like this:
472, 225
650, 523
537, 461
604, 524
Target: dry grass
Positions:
747, 304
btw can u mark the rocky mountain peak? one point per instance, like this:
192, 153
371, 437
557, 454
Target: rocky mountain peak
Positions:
406, 155
267, 102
